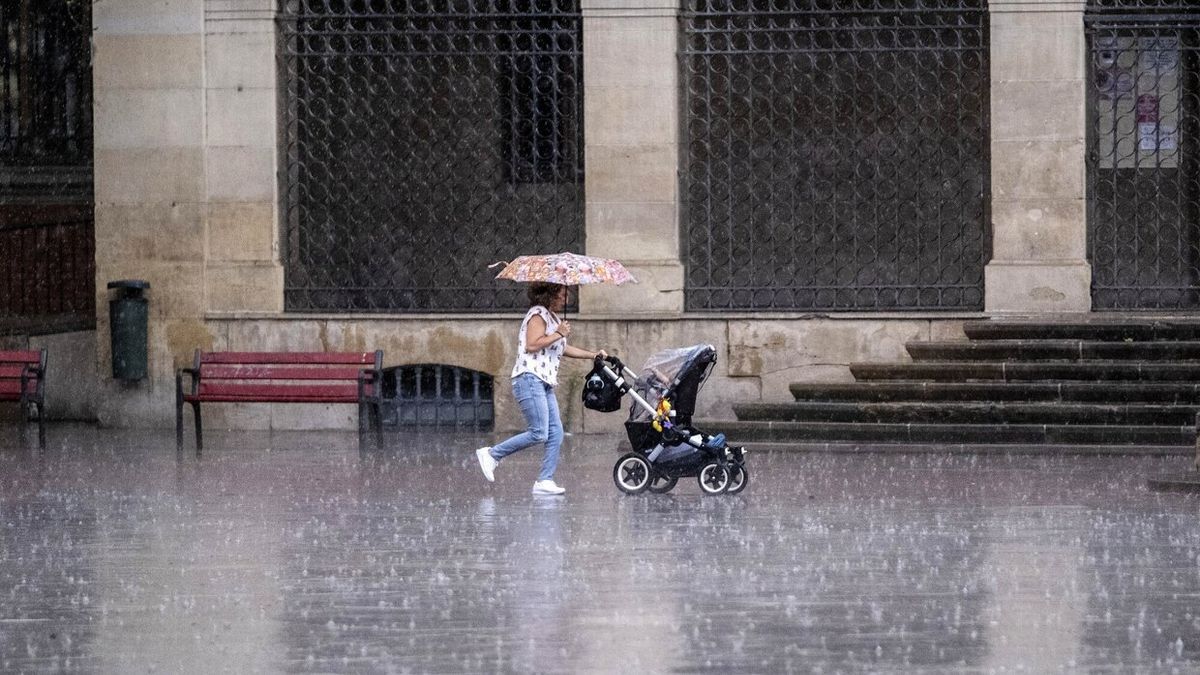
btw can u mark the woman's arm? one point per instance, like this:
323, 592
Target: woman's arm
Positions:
577, 353
535, 335
536, 340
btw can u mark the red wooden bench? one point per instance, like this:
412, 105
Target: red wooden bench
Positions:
23, 379
282, 377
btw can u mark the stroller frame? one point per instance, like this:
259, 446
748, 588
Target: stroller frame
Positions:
657, 460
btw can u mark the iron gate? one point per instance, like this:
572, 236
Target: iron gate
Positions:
423, 142
47, 240
837, 154
1144, 154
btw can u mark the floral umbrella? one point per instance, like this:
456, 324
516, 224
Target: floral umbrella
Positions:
567, 269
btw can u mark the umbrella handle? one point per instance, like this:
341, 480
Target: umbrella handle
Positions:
497, 264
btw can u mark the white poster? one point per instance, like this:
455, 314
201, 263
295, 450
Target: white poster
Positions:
1137, 85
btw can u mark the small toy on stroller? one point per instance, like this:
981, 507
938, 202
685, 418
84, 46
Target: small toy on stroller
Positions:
665, 445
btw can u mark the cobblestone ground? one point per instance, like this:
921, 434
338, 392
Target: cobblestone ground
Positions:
294, 552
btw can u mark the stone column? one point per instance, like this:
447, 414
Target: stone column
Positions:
148, 77
244, 272
1039, 228
631, 156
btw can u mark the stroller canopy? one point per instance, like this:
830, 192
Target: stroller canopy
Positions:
677, 373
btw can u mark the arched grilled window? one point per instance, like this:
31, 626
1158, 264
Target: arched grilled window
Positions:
435, 396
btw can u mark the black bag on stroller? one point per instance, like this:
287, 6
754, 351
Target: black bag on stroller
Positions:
665, 445
600, 393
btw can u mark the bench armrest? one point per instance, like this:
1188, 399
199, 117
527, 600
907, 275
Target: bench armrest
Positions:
24, 384
370, 376
37, 373
191, 372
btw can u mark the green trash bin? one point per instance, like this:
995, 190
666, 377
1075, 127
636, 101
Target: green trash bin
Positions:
128, 312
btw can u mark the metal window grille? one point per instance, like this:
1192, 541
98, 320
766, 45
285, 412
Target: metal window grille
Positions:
46, 85
47, 278
1143, 191
423, 142
837, 154
434, 396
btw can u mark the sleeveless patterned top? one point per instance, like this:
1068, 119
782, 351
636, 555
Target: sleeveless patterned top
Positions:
542, 363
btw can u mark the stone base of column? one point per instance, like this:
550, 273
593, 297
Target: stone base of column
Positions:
1036, 287
659, 291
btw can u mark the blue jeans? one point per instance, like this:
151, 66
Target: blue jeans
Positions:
540, 408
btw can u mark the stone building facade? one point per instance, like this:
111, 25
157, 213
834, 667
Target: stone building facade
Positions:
190, 183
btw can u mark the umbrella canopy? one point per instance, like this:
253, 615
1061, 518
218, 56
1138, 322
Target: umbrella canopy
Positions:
567, 269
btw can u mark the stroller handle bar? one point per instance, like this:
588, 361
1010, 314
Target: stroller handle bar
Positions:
622, 376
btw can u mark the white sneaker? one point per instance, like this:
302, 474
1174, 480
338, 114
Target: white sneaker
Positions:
547, 487
487, 463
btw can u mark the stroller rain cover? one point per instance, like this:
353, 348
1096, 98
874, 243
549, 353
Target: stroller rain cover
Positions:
661, 372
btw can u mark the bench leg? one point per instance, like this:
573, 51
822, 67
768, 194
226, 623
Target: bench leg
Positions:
199, 427
178, 422
26, 418
364, 423
378, 423
370, 424
41, 407
362, 411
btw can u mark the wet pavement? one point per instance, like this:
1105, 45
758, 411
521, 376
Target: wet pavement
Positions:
293, 552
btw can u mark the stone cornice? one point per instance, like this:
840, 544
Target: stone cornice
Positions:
1037, 6
239, 16
605, 9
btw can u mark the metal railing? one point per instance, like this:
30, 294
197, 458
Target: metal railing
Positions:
45, 83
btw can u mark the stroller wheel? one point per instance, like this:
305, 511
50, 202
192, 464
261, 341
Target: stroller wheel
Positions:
661, 484
738, 479
632, 473
714, 479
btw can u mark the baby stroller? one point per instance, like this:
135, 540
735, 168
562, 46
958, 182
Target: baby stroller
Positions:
665, 445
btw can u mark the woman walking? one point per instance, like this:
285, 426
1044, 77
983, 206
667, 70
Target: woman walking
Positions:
542, 342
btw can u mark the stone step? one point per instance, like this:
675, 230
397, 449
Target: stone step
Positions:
1092, 328
1025, 371
972, 412
880, 447
1053, 350
739, 432
1100, 392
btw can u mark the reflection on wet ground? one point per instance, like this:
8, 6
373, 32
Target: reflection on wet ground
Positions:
294, 552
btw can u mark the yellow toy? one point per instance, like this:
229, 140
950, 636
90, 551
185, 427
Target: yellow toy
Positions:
662, 414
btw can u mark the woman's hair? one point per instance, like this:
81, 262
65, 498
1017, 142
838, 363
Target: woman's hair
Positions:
542, 293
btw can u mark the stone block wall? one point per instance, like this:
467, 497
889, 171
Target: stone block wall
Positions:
757, 359
187, 151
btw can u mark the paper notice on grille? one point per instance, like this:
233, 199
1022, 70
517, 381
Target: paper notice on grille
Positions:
1167, 138
1148, 136
1158, 53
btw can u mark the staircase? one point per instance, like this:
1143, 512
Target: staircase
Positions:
1090, 385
